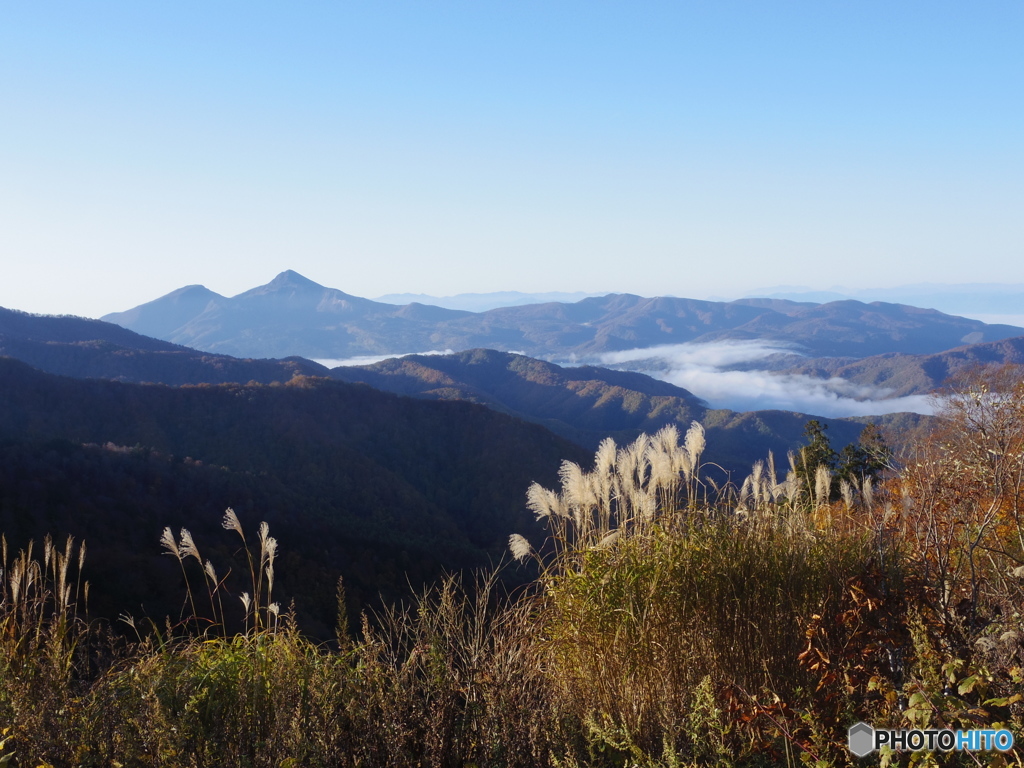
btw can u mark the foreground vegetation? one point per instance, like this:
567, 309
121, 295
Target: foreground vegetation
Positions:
670, 623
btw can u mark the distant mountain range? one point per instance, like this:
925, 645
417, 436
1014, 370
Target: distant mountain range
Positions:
583, 404
971, 299
292, 315
481, 302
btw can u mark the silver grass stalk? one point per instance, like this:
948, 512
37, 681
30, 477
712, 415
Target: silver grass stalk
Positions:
747, 490
167, 539
846, 489
208, 567
269, 550
188, 546
543, 503
576, 490
632, 465
684, 464
14, 577
602, 478
645, 505
246, 601
536, 501
695, 442
663, 476
624, 475
579, 516
793, 485
63, 562
668, 438
609, 539
29, 576
230, 522
605, 458
519, 547
822, 485
867, 492
757, 484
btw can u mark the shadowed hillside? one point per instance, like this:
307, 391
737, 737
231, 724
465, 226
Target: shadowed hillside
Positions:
377, 487
82, 348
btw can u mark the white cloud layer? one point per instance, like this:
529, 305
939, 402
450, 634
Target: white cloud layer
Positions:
703, 370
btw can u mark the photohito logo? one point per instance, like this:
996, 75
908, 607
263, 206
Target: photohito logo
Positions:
863, 739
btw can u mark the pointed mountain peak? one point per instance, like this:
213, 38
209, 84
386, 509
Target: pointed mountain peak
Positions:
292, 279
287, 284
191, 292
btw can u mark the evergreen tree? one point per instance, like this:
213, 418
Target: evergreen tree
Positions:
868, 457
818, 450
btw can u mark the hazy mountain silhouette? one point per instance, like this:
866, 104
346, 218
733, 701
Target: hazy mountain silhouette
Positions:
481, 302
292, 315
161, 317
968, 298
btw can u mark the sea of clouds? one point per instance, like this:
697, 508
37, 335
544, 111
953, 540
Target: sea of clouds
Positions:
725, 374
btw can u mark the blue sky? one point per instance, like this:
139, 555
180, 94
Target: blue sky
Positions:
696, 149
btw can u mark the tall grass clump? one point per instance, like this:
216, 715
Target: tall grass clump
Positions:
666, 596
44, 640
453, 678
450, 680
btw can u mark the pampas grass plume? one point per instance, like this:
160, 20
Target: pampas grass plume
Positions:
519, 547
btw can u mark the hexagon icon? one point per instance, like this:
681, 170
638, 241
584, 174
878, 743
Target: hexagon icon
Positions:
861, 739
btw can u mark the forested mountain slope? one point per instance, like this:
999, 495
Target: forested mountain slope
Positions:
916, 374
586, 403
377, 487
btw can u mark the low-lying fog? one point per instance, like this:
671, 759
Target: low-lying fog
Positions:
726, 375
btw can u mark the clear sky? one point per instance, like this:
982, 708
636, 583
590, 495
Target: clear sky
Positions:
689, 148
